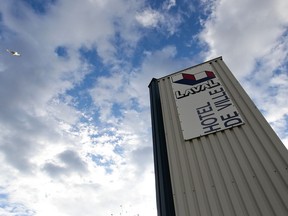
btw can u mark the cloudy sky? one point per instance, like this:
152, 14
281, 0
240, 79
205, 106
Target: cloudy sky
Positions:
74, 107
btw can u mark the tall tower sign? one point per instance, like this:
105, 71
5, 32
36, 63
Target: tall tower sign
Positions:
214, 152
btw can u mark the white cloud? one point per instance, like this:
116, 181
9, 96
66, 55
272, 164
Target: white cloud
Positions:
129, 130
59, 160
252, 38
155, 65
81, 23
243, 32
149, 18
46, 143
159, 19
169, 4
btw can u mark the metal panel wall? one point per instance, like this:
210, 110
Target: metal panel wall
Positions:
238, 171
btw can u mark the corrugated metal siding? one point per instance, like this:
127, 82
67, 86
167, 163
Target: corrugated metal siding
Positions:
238, 171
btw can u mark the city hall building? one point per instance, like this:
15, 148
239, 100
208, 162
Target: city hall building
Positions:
214, 152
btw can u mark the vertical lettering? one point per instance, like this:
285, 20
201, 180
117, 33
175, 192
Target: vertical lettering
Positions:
231, 119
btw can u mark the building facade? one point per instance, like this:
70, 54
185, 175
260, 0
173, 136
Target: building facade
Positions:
214, 152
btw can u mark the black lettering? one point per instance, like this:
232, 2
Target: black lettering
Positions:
209, 121
211, 128
230, 120
215, 91
188, 92
212, 84
207, 118
204, 109
205, 86
201, 117
195, 89
221, 95
223, 103
179, 95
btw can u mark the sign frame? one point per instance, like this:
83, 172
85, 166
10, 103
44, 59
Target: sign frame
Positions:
203, 104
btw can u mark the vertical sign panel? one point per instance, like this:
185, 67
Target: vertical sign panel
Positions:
203, 105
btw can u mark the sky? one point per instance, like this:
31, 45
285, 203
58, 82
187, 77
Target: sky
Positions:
75, 113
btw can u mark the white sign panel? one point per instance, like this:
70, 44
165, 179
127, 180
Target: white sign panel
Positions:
203, 105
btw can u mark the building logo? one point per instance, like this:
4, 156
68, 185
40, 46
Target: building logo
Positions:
193, 79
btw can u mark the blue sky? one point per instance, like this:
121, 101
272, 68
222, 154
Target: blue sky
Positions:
75, 118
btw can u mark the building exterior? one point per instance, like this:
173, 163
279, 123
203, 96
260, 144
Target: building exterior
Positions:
214, 152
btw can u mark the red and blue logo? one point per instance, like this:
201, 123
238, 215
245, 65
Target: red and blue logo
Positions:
193, 79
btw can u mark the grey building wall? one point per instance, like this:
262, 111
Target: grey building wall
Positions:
238, 171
